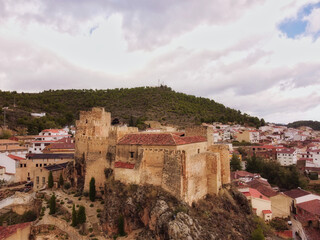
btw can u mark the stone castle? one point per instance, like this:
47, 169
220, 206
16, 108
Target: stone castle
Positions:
188, 165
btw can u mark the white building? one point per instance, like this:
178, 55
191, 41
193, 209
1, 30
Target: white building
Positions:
9, 165
45, 138
287, 156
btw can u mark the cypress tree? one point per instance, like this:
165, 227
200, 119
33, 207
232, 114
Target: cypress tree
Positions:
52, 204
81, 218
50, 180
61, 181
92, 189
74, 217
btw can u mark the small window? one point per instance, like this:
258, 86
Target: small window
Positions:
25, 165
40, 164
37, 180
28, 174
37, 165
43, 180
131, 154
44, 164
21, 165
198, 150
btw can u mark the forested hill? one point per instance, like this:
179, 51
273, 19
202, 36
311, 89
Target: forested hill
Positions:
315, 125
132, 106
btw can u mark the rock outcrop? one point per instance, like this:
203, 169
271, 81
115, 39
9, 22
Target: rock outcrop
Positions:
161, 216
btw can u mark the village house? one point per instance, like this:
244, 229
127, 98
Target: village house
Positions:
33, 162
261, 205
41, 175
11, 164
13, 147
189, 167
287, 156
300, 196
251, 136
45, 138
308, 213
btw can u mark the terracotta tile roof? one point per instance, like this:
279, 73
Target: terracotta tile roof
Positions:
158, 139
265, 190
6, 232
287, 151
257, 182
255, 194
123, 165
312, 206
285, 234
238, 174
15, 157
61, 146
296, 193
266, 211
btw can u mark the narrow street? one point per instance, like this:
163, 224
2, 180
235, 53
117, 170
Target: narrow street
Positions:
297, 227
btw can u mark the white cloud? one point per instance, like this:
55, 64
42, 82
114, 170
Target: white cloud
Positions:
313, 19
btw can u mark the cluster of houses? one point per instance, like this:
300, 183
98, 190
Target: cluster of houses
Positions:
268, 202
31, 158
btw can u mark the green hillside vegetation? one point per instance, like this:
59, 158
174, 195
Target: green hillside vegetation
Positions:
315, 125
133, 106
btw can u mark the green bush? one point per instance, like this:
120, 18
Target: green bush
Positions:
67, 185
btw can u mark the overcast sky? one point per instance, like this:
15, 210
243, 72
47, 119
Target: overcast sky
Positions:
259, 56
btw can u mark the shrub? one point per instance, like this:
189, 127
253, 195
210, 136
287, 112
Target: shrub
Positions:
74, 217
67, 185
98, 210
91, 205
86, 193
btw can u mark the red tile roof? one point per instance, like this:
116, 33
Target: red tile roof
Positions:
312, 206
285, 234
255, 194
266, 211
123, 165
287, 151
15, 157
162, 139
238, 174
265, 190
296, 193
6, 232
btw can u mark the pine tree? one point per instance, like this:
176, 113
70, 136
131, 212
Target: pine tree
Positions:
81, 216
235, 163
61, 181
52, 204
92, 189
50, 180
74, 217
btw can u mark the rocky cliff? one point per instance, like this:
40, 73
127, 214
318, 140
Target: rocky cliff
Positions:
161, 216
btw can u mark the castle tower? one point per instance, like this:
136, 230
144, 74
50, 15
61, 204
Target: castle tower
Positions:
92, 135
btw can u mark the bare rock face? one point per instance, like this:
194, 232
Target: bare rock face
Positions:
160, 216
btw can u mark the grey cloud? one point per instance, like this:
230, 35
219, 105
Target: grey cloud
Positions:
146, 24
26, 68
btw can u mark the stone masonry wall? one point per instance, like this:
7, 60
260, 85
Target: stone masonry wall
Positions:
223, 150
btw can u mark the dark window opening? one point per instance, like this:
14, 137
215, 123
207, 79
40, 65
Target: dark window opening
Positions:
131, 154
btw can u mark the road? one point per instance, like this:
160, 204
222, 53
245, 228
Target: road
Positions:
297, 227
